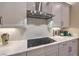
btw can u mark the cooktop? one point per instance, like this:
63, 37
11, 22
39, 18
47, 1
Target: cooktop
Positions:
39, 41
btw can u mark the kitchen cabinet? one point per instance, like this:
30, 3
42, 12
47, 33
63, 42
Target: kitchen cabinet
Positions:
68, 48
19, 54
51, 50
47, 7
1, 8
73, 48
62, 14
65, 15
56, 10
63, 49
13, 13
30, 6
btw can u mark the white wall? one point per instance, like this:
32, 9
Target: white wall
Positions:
74, 28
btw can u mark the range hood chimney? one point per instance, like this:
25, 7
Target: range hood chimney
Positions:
37, 13
38, 6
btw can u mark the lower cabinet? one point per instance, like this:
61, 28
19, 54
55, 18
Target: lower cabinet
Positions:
51, 50
73, 48
68, 48
63, 49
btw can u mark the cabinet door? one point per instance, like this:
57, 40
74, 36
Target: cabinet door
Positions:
56, 10
47, 7
1, 8
65, 15
44, 51
68, 48
72, 48
14, 12
63, 49
61, 12
30, 6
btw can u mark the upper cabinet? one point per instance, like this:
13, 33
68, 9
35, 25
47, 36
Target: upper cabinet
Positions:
13, 13
65, 15
56, 10
47, 7
30, 6
62, 14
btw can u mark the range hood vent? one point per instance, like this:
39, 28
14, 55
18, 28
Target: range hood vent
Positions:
38, 6
37, 13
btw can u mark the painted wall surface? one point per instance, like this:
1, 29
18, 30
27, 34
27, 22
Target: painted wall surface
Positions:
74, 22
75, 15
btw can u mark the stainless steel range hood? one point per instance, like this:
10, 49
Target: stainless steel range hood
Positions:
37, 13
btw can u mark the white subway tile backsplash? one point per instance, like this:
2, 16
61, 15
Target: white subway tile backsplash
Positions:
36, 31
14, 33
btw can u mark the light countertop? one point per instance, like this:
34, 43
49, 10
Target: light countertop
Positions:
15, 47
